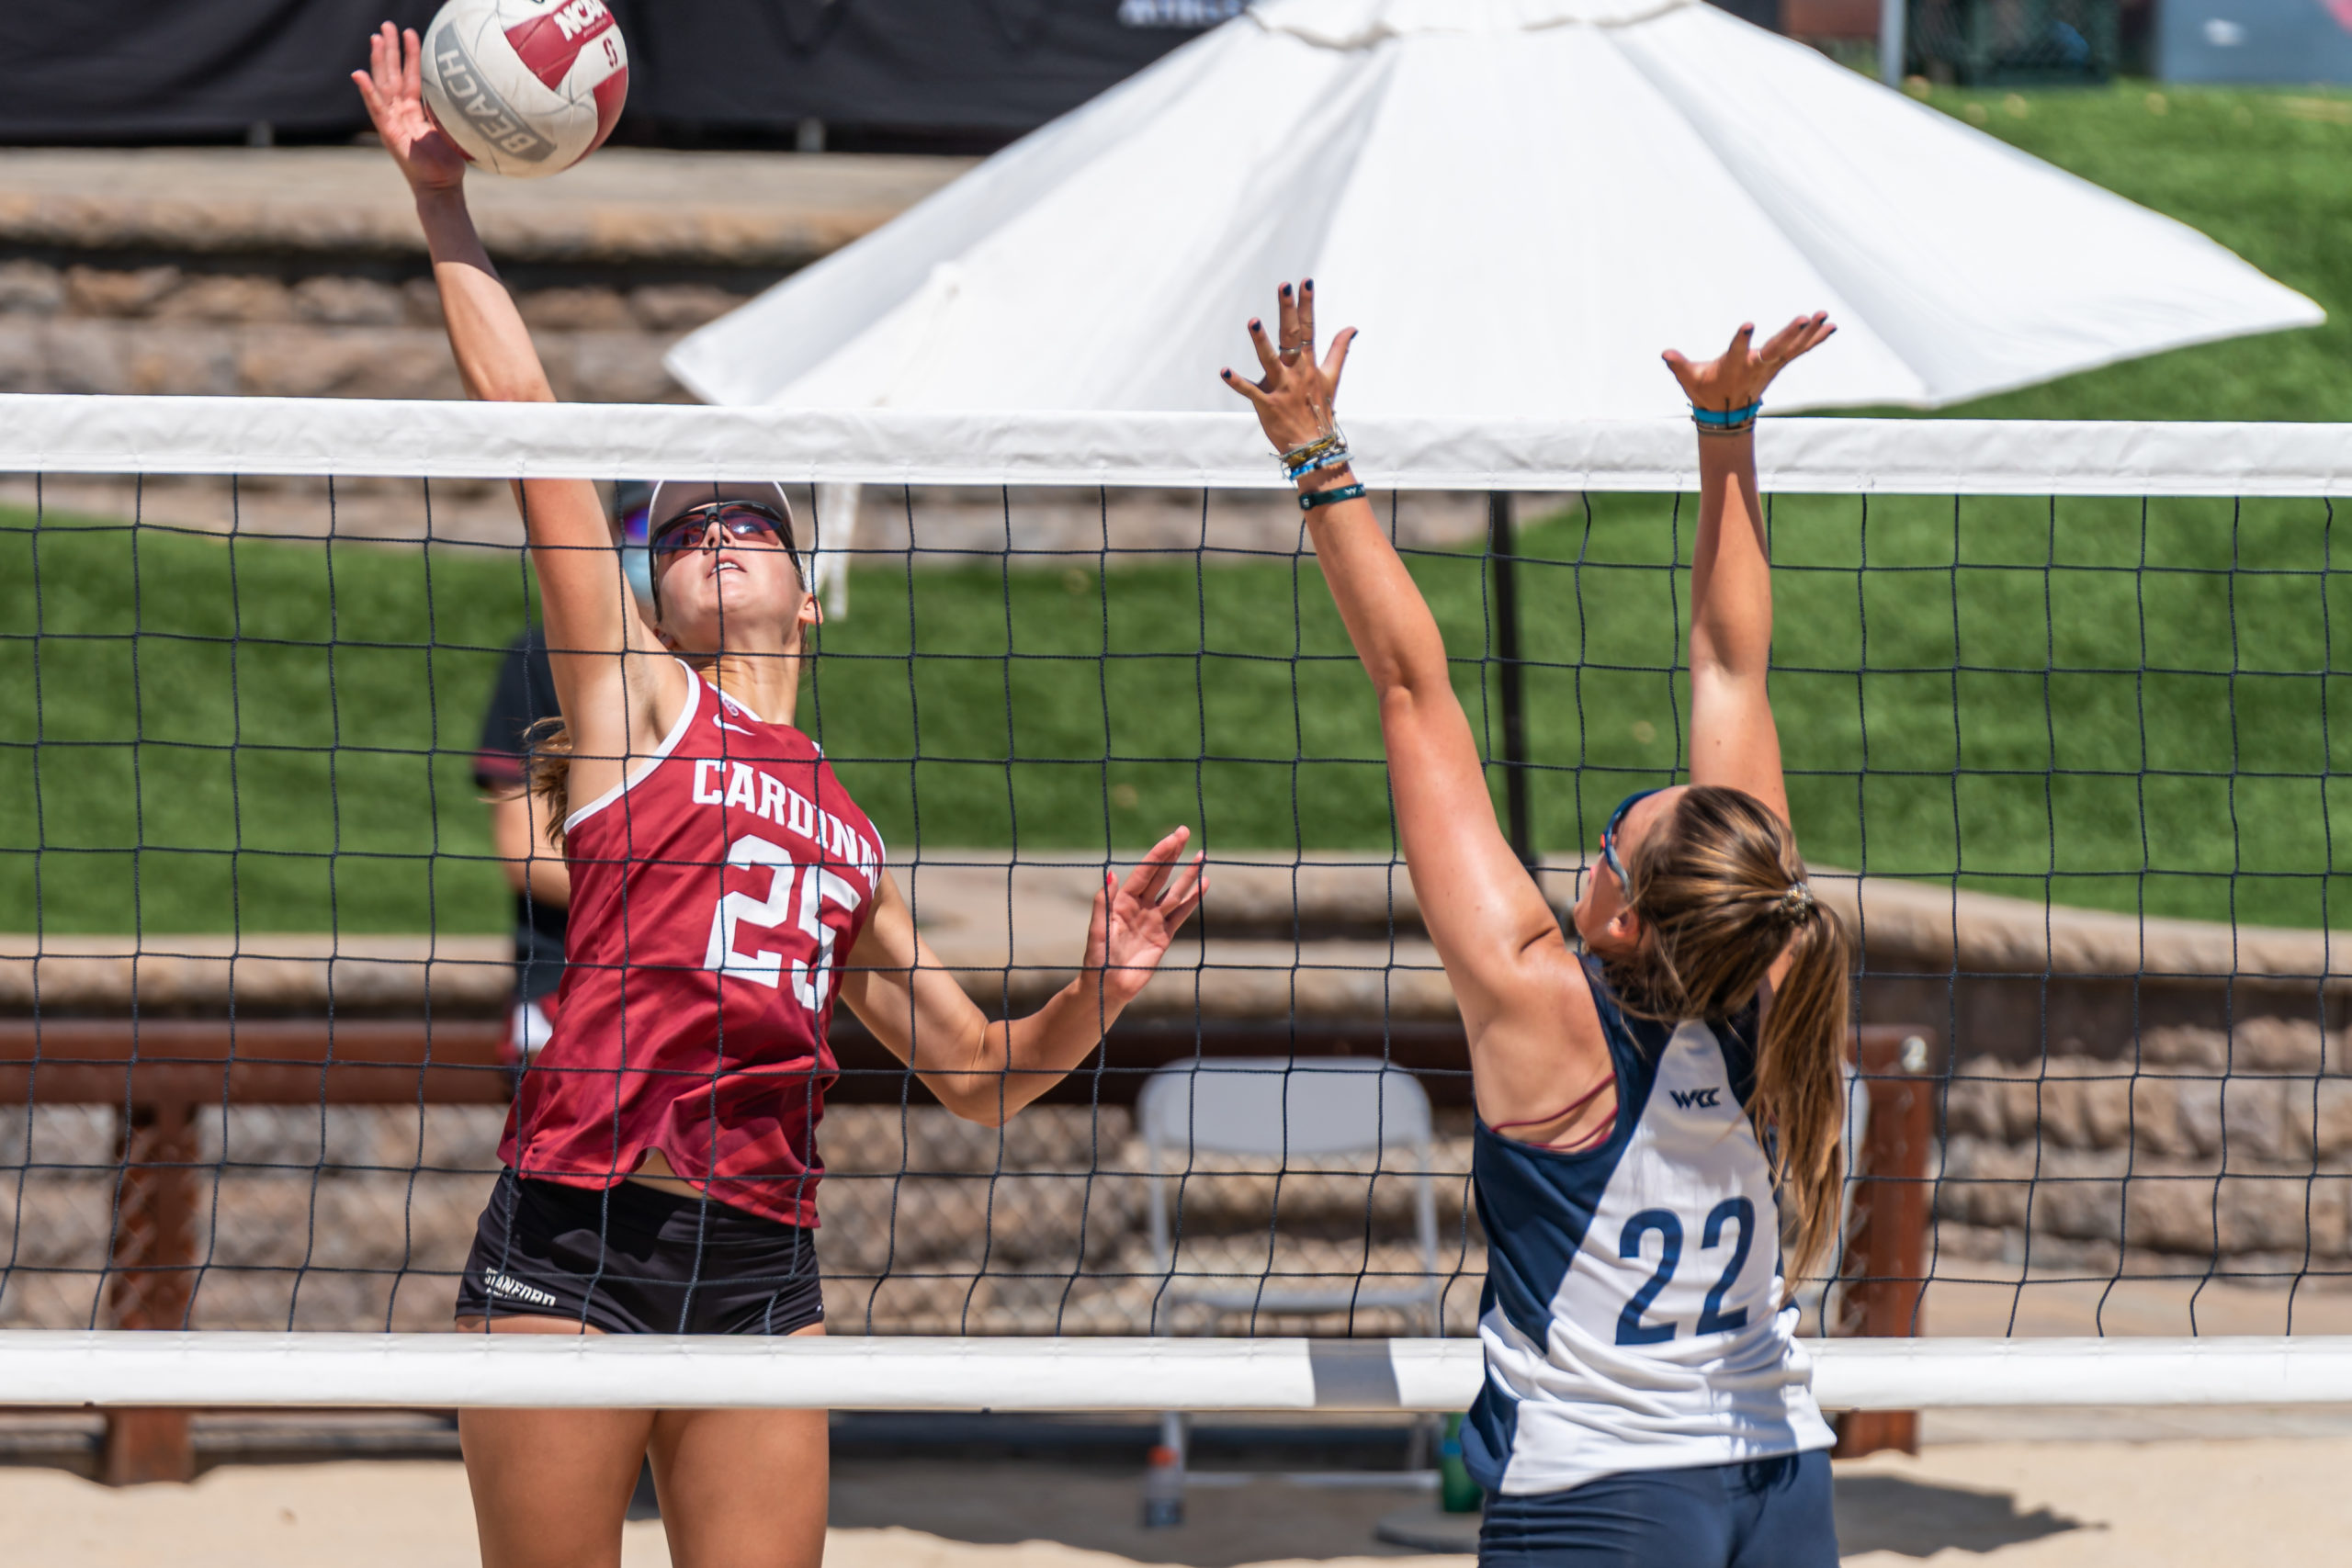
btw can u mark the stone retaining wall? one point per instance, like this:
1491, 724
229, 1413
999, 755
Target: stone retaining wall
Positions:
2178, 1097
353, 1217
2123, 1091
2209, 1145
320, 327
300, 272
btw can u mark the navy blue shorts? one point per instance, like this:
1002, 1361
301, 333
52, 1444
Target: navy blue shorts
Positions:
1770, 1513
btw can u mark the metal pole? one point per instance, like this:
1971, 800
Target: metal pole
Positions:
1502, 552
1891, 42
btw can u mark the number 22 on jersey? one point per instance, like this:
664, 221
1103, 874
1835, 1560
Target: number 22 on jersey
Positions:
1737, 1215
814, 885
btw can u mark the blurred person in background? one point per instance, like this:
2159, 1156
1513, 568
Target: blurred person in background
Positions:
524, 698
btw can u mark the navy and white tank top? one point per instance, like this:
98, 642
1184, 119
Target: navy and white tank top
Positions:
1631, 1317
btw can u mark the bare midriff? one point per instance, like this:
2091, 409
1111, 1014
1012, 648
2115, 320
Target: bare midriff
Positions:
655, 1171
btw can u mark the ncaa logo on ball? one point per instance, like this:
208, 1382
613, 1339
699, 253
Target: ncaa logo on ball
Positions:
525, 87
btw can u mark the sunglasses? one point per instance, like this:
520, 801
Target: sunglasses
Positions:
741, 519
1609, 834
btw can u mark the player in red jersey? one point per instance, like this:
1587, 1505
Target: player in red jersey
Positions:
725, 890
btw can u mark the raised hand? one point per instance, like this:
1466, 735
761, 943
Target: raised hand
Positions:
391, 88
1296, 399
1739, 375
1134, 921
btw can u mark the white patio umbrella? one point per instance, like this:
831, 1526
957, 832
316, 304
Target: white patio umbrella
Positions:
1520, 202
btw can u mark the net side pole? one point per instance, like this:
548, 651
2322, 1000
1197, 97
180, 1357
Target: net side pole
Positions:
1502, 550
435, 1370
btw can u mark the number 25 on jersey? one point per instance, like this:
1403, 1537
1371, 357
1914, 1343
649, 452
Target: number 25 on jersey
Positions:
811, 976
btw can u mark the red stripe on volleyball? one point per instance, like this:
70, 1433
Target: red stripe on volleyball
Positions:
611, 92
549, 42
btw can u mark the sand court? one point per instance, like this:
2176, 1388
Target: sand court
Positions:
2000, 1504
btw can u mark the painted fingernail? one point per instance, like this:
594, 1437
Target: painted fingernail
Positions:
1286, 290
1308, 285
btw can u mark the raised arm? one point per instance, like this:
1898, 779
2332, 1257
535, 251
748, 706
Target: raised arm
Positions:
1501, 946
984, 1070
612, 705
1734, 741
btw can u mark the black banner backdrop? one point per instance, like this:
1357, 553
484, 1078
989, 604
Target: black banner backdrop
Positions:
131, 71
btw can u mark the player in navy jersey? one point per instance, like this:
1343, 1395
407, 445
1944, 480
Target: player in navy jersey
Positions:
662, 1164
1658, 1114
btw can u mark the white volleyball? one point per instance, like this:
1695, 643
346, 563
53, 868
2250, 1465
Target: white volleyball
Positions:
526, 87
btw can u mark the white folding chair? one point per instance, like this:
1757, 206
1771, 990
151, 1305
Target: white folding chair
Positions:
1288, 1109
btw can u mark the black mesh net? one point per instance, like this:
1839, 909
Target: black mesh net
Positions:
2068, 766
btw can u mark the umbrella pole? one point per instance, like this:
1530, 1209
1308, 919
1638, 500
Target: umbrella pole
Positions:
1502, 557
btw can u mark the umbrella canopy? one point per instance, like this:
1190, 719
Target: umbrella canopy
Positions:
1521, 201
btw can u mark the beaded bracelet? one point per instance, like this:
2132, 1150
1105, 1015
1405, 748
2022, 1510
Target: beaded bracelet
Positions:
1728, 422
1314, 448
1314, 498
1331, 459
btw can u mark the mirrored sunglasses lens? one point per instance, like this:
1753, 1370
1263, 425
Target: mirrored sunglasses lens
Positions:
744, 523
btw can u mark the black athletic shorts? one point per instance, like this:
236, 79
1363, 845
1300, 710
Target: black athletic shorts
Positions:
636, 1259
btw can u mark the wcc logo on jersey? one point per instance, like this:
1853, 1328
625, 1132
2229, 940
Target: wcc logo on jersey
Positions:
1697, 1099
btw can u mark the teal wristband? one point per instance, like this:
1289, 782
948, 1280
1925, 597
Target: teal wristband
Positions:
1315, 498
1727, 419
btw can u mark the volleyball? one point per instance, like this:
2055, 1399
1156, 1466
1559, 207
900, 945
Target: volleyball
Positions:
526, 87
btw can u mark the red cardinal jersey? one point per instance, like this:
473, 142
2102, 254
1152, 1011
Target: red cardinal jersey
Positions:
714, 894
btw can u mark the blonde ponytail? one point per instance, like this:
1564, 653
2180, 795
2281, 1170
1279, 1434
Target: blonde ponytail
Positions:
1722, 895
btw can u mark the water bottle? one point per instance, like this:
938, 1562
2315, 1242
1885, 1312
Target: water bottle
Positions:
1163, 1490
1456, 1493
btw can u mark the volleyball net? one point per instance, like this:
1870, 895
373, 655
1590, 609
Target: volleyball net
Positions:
2057, 706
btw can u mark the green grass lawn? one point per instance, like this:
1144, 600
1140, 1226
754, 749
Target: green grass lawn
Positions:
2129, 710
2266, 173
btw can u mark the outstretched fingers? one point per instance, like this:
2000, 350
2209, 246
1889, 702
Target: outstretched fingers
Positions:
1799, 336
1289, 335
1269, 359
1150, 874
1684, 371
1166, 911
1188, 886
1337, 360
1783, 343
1739, 375
379, 81
1247, 389
392, 87
1292, 395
